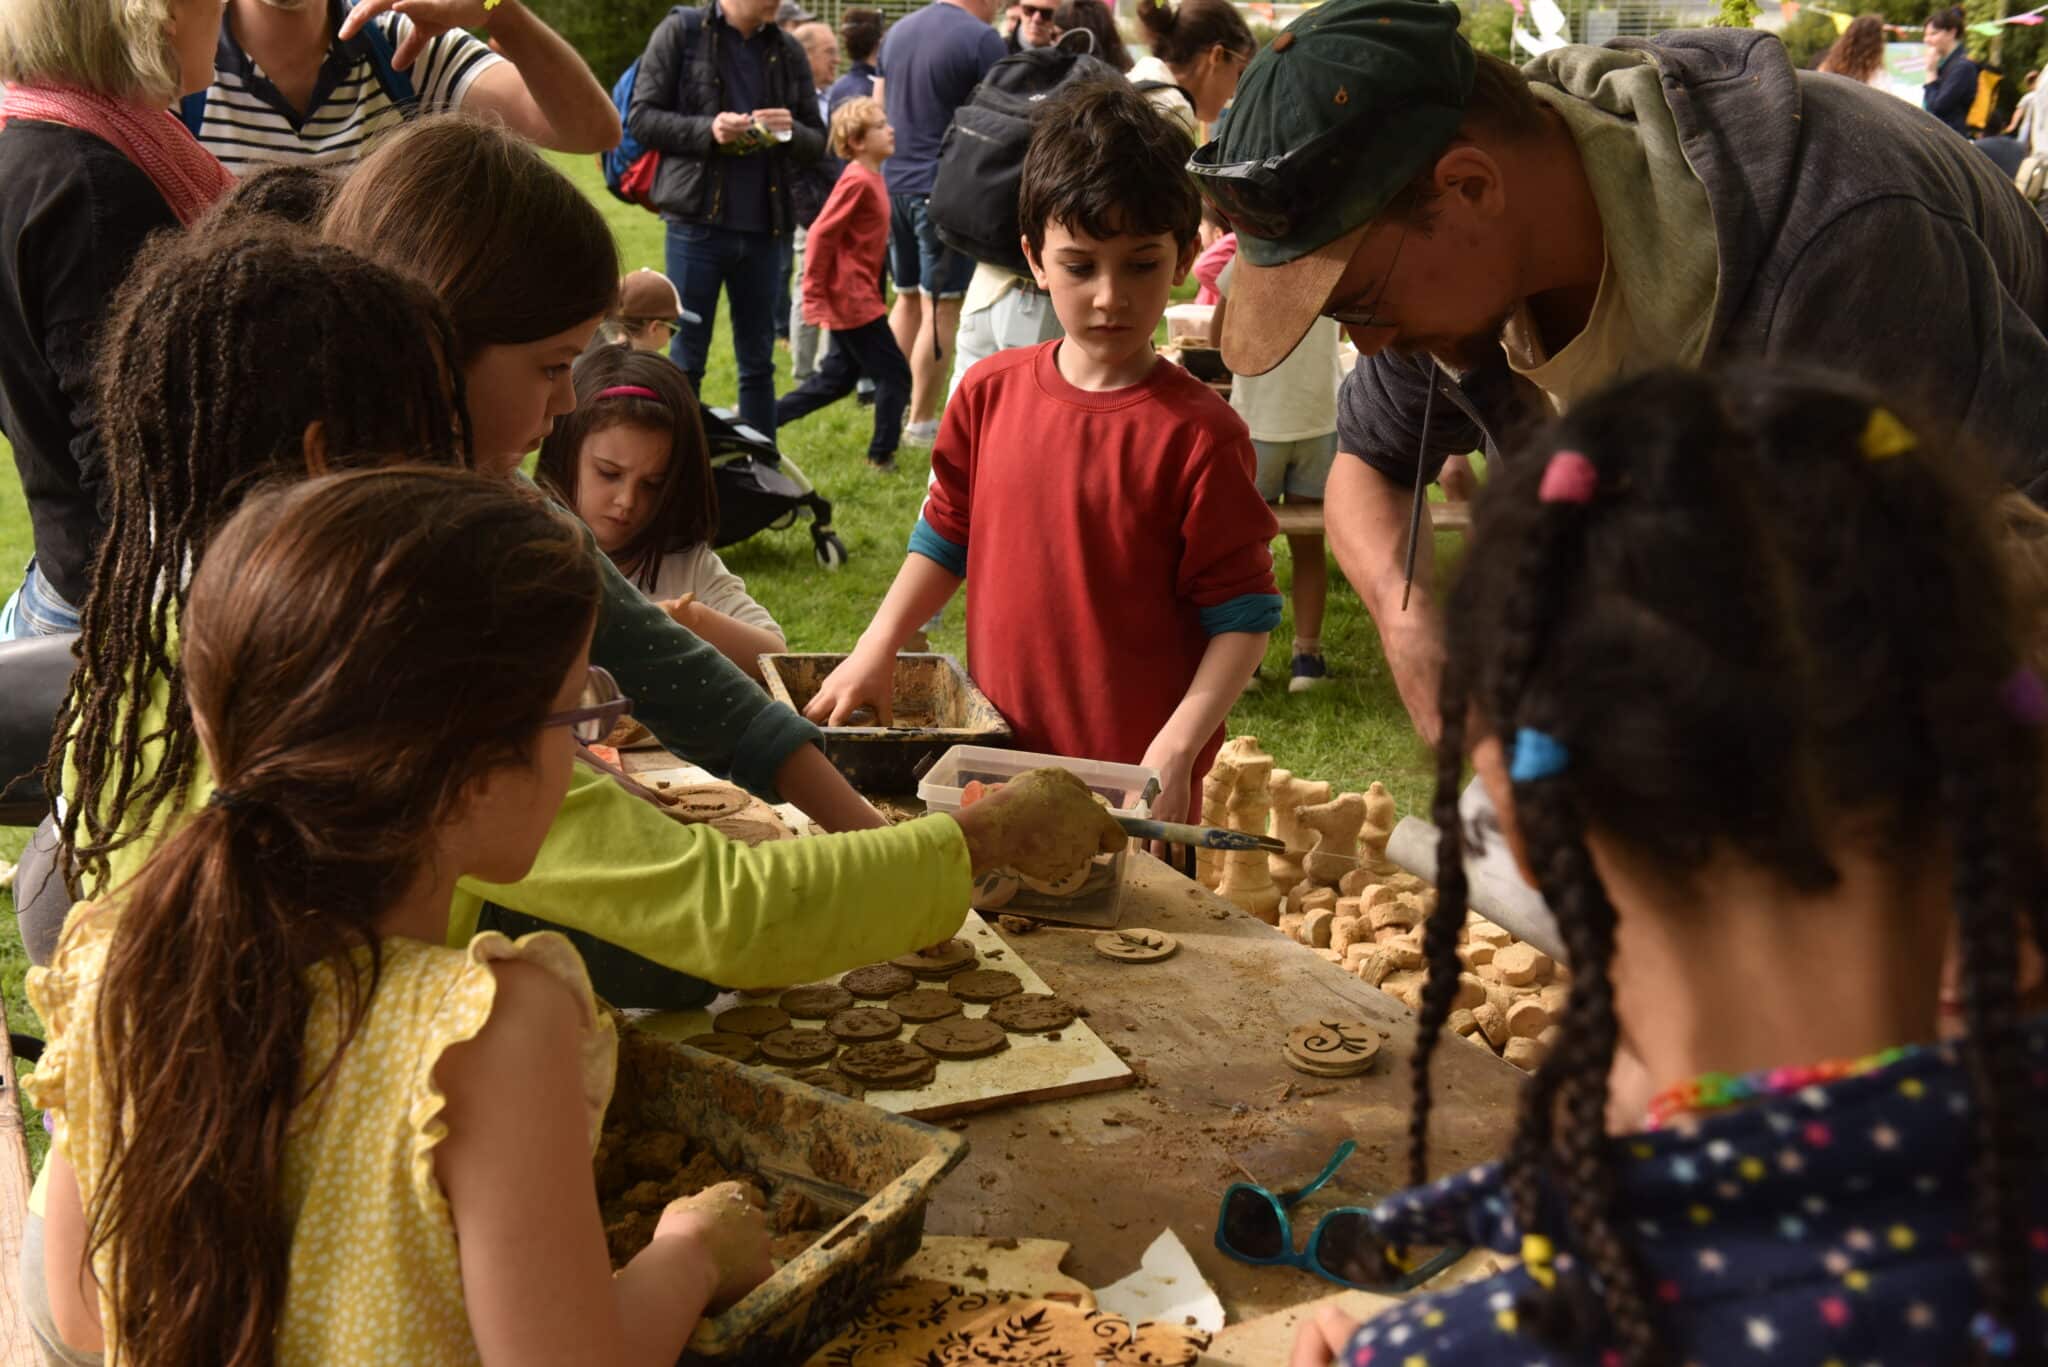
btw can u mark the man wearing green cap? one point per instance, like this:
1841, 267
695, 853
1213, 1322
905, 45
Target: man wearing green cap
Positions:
1500, 243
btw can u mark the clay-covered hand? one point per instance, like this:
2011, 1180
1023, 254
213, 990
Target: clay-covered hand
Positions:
1044, 824
864, 679
730, 1230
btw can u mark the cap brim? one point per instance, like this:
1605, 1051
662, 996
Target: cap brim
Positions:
1272, 307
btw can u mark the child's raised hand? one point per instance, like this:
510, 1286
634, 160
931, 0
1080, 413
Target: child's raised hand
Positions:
1044, 824
863, 679
727, 1227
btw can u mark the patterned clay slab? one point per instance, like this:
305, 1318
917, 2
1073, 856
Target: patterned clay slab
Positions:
1336, 1048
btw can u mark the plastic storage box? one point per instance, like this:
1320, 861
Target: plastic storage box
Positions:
1128, 788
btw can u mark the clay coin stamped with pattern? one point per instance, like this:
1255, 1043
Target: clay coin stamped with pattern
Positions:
832, 1081
798, 1048
962, 1038
1136, 946
817, 1002
738, 1048
1332, 1048
752, 1021
940, 961
887, 1063
985, 985
923, 1004
860, 1024
878, 981
1032, 1013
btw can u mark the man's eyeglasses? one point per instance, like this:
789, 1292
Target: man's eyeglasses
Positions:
1366, 315
1042, 13
592, 723
1253, 1227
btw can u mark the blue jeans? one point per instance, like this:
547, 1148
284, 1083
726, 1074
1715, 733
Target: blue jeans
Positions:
702, 260
868, 351
919, 261
36, 609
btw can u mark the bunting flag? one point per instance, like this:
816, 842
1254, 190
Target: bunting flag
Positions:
1841, 18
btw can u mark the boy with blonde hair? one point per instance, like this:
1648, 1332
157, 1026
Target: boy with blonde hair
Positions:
1097, 499
842, 286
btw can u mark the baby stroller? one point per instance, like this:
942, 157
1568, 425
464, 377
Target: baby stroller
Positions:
759, 487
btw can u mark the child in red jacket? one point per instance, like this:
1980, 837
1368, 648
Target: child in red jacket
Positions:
842, 287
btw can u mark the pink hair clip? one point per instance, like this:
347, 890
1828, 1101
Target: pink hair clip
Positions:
627, 391
2024, 697
1568, 478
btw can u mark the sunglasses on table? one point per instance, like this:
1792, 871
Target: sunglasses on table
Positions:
592, 722
1253, 1227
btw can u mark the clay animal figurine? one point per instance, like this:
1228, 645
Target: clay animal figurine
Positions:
1336, 825
1289, 795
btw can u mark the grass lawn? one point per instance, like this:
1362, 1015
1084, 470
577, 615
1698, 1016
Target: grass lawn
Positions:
1350, 732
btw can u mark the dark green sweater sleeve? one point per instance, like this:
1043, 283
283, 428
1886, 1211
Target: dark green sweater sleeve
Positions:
697, 703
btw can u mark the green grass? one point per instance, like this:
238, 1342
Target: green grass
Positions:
1350, 732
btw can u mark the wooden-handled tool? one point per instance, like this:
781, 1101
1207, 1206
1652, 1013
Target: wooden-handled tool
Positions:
1198, 837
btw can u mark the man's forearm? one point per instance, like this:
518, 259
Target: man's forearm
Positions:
1366, 516
577, 108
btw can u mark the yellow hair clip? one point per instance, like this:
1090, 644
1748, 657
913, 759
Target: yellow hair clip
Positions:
1536, 1255
1884, 436
490, 5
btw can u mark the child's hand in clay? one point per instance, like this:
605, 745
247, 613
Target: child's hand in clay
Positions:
730, 1230
863, 679
1044, 824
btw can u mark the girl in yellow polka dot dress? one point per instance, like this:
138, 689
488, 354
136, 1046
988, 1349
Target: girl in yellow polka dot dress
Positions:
291, 1126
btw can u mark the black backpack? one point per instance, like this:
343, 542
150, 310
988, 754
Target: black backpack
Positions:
981, 162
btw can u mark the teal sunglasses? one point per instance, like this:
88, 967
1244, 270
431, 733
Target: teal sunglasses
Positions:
1253, 1227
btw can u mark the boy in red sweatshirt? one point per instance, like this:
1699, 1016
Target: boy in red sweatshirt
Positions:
842, 285
1097, 500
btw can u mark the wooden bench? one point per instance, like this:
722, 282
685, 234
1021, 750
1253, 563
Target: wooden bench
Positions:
1306, 519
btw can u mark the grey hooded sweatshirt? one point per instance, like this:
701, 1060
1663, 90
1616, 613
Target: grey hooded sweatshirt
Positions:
1853, 233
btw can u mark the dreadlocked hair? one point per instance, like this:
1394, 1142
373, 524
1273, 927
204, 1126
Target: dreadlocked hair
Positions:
359, 650
228, 350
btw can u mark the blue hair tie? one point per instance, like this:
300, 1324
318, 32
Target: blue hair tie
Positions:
1537, 755
1992, 1335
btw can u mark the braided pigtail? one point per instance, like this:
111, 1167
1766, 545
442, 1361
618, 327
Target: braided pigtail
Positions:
1440, 932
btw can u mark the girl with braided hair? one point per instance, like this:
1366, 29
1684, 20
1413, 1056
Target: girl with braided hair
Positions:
1742, 679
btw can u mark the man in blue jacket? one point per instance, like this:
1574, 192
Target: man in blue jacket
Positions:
1500, 243
1951, 87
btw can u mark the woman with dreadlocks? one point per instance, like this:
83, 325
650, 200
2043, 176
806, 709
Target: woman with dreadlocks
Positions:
1745, 688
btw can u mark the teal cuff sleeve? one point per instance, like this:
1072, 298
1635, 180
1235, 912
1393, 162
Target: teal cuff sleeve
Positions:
950, 556
1246, 612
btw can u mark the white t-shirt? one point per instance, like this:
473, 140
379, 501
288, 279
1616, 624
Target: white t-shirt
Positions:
1296, 399
248, 124
698, 570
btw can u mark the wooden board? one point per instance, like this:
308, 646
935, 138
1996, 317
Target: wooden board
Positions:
1033, 1068
1306, 519
17, 1344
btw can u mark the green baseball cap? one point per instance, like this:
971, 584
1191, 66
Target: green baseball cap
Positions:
1331, 120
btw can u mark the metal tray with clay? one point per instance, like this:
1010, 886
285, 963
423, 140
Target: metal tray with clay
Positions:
936, 707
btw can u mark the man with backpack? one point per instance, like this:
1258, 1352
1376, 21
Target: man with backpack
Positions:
930, 63
727, 100
317, 80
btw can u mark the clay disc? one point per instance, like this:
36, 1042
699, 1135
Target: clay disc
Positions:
798, 1048
703, 801
1031, 1013
962, 1038
832, 1081
738, 1048
752, 1021
1136, 946
985, 985
887, 1063
878, 981
860, 1024
816, 1003
1332, 1048
940, 961
924, 1004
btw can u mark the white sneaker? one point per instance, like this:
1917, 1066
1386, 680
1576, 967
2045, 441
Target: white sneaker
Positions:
920, 433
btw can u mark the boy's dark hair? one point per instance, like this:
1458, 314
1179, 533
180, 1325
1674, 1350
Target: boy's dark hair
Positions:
219, 354
1104, 162
860, 32
289, 191
1754, 638
1948, 20
687, 513
1094, 18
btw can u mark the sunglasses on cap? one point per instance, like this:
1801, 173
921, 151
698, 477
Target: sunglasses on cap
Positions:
592, 723
1268, 197
1253, 1227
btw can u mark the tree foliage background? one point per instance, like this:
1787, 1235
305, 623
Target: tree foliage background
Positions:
610, 34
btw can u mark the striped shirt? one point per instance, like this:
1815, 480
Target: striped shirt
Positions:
249, 124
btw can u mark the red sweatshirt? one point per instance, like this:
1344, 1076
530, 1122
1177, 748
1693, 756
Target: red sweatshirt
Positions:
1105, 538
843, 253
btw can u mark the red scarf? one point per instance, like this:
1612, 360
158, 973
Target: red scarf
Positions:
187, 175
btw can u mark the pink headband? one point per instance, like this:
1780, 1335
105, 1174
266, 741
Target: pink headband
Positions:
627, 391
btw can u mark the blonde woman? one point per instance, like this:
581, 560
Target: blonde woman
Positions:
90, 164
